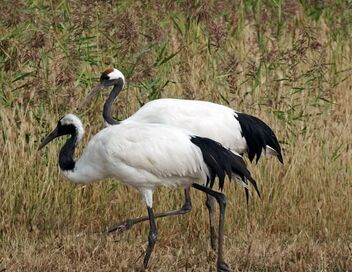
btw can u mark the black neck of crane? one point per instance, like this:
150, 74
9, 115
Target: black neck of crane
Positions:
66, 161
108, 103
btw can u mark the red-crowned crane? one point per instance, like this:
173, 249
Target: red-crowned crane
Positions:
240, 132
147, 156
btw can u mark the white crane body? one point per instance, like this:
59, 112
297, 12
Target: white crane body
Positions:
241, 132
147, 156
142, 156
217, 122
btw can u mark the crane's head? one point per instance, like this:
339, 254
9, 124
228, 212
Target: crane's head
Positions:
110, 77
70, 124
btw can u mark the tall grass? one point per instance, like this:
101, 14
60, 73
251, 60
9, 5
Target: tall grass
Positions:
287, 62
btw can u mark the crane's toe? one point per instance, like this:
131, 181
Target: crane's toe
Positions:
223, 267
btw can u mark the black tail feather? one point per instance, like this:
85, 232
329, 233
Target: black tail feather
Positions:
254, 183
221, 162
258, 135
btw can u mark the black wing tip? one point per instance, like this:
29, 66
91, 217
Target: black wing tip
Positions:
258, 135
280, 158
222, 162
247, 196
218, 159
254, 183
278, 153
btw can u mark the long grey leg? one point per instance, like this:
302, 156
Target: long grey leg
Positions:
221, 199
153, 234
127, 224
210, 205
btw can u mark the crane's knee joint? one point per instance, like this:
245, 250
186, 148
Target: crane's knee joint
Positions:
208, 203
152, 237
222, 199
186, 208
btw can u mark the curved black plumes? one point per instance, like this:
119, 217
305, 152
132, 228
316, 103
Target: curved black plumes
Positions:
222, 162
258, 135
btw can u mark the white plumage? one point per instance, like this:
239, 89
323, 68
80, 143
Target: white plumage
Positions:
240, 132
203, 118
144, 156
147, 156
141, 156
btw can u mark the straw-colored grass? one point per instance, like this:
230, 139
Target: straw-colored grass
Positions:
287, 62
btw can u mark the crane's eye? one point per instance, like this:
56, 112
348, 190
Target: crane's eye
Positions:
104, 77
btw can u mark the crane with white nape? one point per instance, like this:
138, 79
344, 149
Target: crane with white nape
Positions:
147, 156
240, 132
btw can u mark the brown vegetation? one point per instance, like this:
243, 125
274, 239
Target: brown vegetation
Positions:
288, 63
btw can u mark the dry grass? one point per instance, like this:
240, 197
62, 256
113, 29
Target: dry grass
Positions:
288, 63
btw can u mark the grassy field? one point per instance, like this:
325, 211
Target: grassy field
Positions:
287, 62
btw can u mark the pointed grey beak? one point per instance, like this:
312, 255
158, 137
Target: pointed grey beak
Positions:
54, 134
90, 95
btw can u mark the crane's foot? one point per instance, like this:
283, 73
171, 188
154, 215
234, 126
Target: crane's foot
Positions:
223, 267
120, 227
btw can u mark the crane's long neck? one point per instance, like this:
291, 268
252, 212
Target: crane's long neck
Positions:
79, 171
66, 160
108, 103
